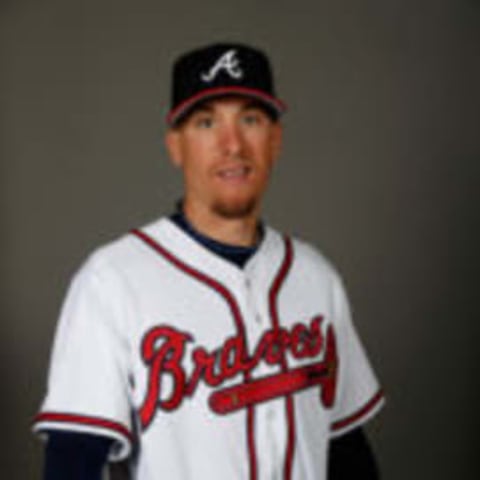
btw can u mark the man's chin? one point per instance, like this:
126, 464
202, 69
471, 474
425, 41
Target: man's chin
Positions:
235, 210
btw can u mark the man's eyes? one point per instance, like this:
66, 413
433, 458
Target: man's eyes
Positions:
251, 119
204, 122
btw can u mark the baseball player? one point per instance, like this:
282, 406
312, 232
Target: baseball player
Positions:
207, 345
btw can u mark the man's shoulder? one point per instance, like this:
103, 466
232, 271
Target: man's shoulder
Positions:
307, 256
122, 251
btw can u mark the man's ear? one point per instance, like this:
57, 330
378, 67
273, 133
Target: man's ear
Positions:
172, 142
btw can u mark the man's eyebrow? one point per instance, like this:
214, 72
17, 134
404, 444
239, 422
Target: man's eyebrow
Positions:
203, 108
252, 104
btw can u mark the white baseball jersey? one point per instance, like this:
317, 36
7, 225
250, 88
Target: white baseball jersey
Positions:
209, 370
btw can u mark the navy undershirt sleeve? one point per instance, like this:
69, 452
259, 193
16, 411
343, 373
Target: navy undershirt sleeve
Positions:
75, 456
350, 456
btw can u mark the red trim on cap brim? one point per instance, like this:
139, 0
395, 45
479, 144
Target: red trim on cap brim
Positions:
273, 102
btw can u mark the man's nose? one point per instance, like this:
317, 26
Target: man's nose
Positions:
232, 139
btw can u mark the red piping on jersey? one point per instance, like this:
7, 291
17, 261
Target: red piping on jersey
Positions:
368, 407
84, 420
273, 296
235, 310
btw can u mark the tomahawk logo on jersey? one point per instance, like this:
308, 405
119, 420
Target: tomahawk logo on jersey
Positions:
230, 373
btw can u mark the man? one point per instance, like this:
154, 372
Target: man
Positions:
206, 344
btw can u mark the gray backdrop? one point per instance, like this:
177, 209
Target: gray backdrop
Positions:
379, 170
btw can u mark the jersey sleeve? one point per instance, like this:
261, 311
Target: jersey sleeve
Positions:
88, 382
358, 396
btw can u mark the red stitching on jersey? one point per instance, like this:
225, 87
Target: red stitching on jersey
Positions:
228, 297
84, 420
359, 413
273, 296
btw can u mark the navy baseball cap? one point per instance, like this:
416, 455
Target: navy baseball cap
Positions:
218, 70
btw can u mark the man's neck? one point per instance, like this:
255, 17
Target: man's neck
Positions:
232, 231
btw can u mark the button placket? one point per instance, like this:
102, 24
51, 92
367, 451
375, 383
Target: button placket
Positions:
274, 447
252, 302
267, 415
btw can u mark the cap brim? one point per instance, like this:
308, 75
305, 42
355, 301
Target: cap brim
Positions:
187, 105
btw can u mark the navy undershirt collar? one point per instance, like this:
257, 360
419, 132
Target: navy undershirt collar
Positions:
233, 253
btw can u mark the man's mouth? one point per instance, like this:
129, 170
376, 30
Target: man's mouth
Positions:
240, 172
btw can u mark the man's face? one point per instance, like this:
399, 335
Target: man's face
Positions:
226, 149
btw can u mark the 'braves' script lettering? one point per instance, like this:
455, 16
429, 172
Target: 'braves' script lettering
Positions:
164, 351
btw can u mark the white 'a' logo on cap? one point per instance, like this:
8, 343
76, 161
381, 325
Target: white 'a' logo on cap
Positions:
227, 62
